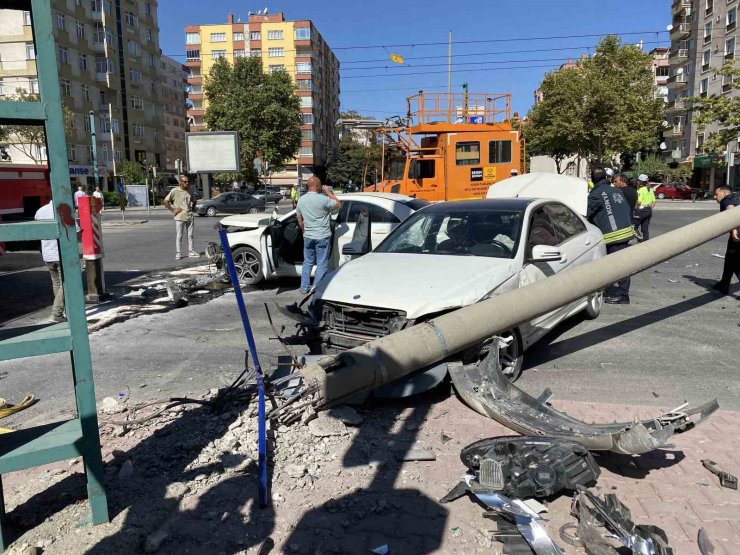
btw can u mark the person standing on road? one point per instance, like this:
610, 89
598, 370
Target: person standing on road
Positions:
80, 193
723, 195
98, 194
644, 210
621, 183
294, 195
181, 203
314, 217
609, 211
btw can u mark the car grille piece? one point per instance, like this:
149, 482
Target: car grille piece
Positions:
348, 326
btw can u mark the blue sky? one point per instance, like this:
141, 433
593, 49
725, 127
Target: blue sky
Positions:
381, 23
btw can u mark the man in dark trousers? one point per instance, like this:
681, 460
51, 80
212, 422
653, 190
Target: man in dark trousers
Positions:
609, 210
725, 198
621, 183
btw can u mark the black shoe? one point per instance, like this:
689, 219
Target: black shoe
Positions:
721, 288
624, 299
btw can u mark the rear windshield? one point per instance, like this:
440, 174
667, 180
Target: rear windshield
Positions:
416, 203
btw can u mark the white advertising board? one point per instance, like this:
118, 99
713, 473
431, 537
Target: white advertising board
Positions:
138, 196
213, 151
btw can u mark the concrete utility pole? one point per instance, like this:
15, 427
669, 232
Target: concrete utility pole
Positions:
394, 356
96, 173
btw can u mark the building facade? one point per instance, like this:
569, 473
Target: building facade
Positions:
109, 62
293, 46
174, 80
703, 38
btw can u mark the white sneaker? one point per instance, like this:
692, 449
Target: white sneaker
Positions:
193, 254
178, 257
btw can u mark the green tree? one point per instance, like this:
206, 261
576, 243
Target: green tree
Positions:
131, 172
653, 166
262, 108
723, 110
604, 106
355, 162
26, 138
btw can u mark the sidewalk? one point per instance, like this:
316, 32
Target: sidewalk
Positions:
346, 492
667, 204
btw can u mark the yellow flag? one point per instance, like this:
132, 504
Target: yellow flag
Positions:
396, 58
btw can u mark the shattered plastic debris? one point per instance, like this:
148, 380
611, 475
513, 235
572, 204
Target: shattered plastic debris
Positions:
484, 388
705, 545
716, 255
381, 550
726, 480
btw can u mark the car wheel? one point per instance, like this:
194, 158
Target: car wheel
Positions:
661, 195
248, 265
511, 357
253, 210
211, 211
594, 302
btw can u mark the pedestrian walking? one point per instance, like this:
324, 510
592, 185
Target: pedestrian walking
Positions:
644, 210
98, 194
181, 203
80, 193
621, 183
314, 217
609, 210
294, 195
723, 195
50, 255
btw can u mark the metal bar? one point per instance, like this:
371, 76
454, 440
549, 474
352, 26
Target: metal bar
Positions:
22, 113
28, 231
261, 428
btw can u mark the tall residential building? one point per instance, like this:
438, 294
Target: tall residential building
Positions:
293, 46
109, 64
174, 81
703, 37
661, 71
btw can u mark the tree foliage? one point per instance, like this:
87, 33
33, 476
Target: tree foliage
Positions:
26, 138
603, 106
358, 158
131, 172
262, 107
723, 110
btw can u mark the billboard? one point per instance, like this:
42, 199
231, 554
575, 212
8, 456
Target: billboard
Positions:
213, 151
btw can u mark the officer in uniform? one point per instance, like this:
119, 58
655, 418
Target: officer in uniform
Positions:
644, 209
609, 210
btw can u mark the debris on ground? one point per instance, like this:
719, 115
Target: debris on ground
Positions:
726, 480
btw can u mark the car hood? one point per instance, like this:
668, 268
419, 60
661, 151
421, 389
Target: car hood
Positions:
418, 284
246, 221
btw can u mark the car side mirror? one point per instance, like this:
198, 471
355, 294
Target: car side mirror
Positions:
545, 253
354, 248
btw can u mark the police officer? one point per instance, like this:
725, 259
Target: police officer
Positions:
644, 209
726, 200
609, 211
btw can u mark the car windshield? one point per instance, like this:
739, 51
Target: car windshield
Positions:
489, 233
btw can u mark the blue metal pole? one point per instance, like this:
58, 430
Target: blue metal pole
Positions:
261, 431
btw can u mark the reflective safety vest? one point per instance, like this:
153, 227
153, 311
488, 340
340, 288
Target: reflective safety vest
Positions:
645, 197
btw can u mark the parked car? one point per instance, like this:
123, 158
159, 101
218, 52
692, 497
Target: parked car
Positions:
452, 254
231, 203
265, 247
676, 191
270, 195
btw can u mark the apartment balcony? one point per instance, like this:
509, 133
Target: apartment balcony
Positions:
675, 131
678, 56
677, 81
675, 106
681, 31
680, 4
195, 96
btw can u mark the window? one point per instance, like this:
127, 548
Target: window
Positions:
699, 142
307, 135
86, 92
133, 48
2, 87
218, 54
303, 67
192, 38
62, 54
73, 152
499, 152
65, 87
138, 129
137, 103
304, 84
101, 34
306, 119
305, 151
730, 48
135, 75
541, 231
275, 52
147, 8
275, 35
708, 32
80, 27
566, 223
218, 37
305, 101
421, 169
703, 86
192, 55
237, 36
26, 18
255, 35
33, 85
662, 71
255, 53
152, 60
726, 83
377, 214
709, 7
706, 58
132, 20
83, 62
731, 19
239, 53
467, 153
61, 22
103, 64
303, 33
276, 67
149, 35
106, 124
30, 51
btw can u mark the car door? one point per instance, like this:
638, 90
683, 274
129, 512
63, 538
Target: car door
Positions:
227, 203
382, 222
540, 231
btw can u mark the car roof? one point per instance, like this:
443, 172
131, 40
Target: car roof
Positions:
387, 196
509, 204
569, 190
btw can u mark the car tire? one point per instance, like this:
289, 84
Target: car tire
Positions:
248, 263
512, 356
661, 195
211, 212
253, 210
594, 302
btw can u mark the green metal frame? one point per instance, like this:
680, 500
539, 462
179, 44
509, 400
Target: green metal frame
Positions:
77, 437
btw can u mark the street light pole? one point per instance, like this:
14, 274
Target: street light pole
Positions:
96, 174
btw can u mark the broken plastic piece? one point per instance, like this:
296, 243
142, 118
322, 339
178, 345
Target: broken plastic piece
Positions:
705, 545
525, 467
726, 480
381, 550
484, 388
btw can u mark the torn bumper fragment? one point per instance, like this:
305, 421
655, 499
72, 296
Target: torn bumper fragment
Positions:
486, 390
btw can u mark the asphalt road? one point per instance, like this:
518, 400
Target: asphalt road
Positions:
675, 342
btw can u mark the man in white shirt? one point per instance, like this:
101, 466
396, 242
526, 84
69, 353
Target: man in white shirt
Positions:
50, 254
80, 193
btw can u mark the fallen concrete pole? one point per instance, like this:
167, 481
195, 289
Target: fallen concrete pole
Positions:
362, 369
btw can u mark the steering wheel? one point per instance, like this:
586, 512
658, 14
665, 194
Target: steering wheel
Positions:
502, 246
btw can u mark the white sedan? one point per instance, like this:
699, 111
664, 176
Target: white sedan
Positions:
453, 254
272, 246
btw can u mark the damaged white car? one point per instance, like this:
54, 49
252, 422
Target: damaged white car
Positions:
453, 254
